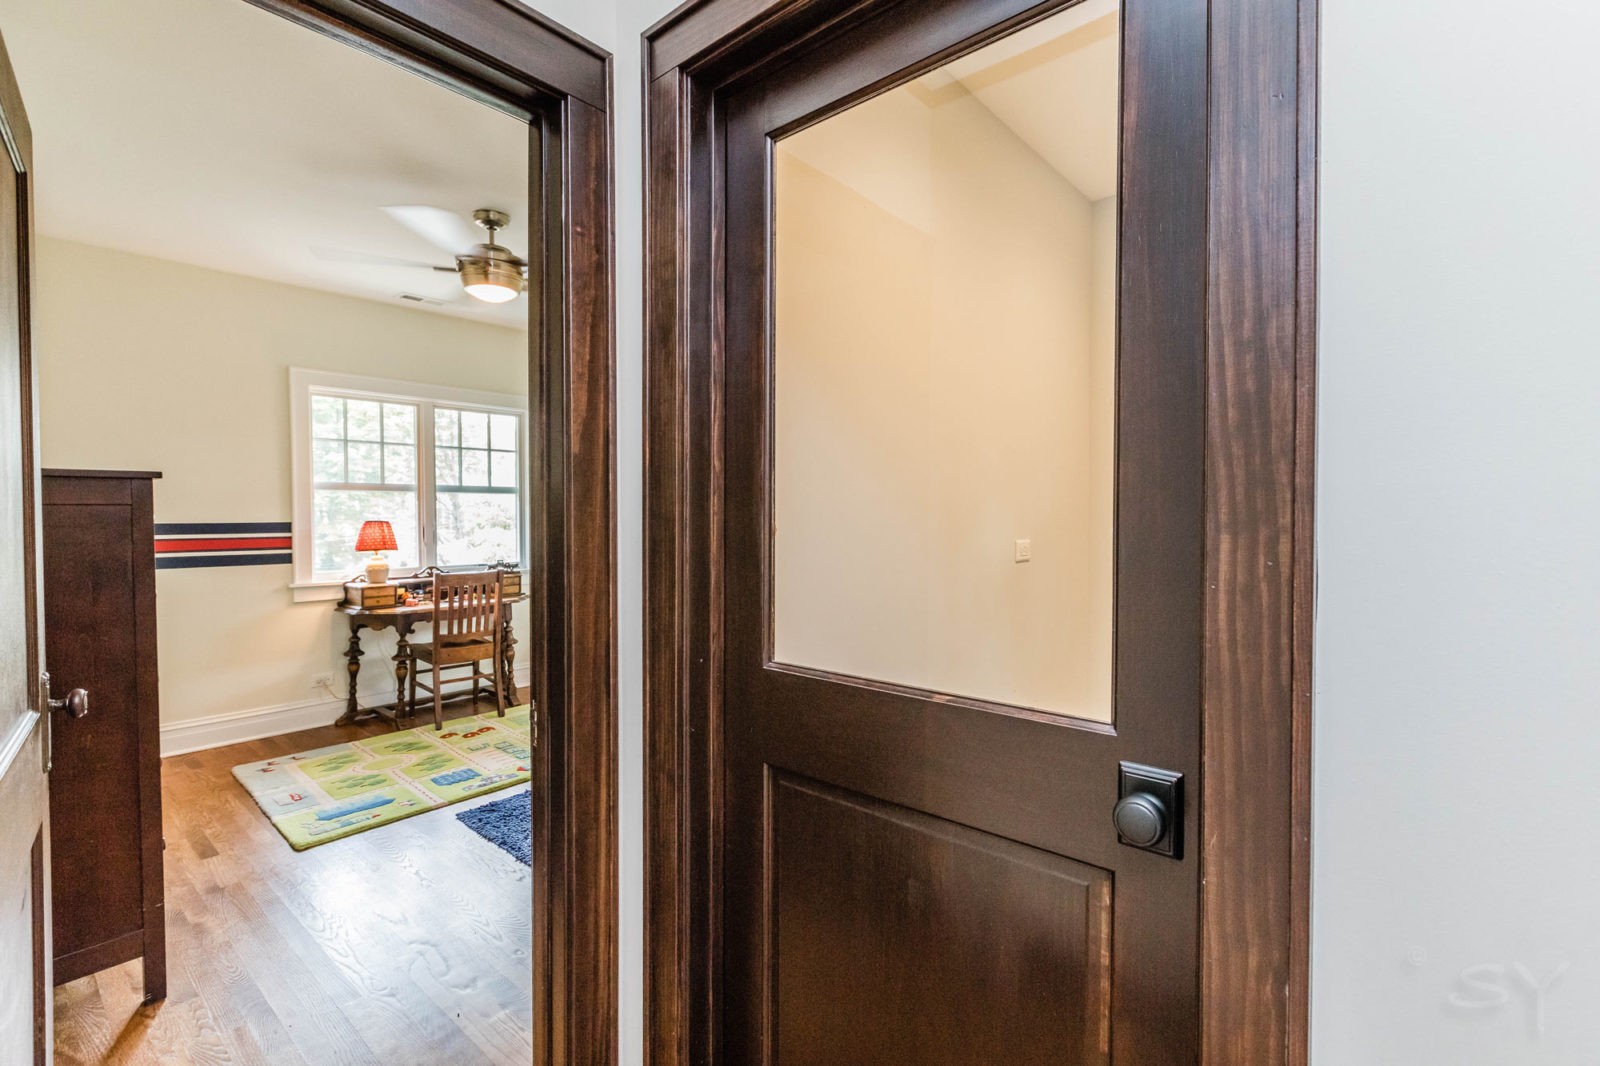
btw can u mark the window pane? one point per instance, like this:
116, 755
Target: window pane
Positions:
474, 467
327, 416
944, 376
365, 464
337, 515
446, 466
399, 464
503, 469
399, 423
446, 426
474, 429
503, 433
362, 420
327, 460
477, 528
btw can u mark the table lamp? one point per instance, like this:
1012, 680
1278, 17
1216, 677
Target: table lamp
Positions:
377, 538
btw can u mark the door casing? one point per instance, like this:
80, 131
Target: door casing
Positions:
507, 56
1260, 255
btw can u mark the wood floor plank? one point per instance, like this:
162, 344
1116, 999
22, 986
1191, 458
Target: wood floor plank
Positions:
226, 986
140, 1042
407, 944
82, 1024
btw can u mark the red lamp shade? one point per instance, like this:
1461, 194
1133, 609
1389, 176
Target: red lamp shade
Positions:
376, 537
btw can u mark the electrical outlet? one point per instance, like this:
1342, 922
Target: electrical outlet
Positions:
1024, 551
322, 681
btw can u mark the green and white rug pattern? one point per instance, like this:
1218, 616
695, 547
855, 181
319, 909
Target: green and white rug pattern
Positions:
317, 796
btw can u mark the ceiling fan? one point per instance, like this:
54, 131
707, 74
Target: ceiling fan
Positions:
489, 271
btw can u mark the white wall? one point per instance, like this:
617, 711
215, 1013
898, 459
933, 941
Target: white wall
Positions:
1458, 630
185, 370
632, 18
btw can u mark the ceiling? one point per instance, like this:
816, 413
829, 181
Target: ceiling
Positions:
1053, 85
213, 133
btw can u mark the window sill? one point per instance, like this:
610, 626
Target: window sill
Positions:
314, 591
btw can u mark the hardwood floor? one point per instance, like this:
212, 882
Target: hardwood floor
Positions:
407, 944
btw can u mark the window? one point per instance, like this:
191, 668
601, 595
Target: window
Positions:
477, 469
364, 461
444, 466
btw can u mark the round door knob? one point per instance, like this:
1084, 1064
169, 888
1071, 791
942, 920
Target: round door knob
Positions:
74, 704
1140, 818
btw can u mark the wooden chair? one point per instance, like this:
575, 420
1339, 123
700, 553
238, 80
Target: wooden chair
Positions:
466, 632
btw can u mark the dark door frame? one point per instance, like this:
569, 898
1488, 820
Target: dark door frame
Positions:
1259, 258
503, 54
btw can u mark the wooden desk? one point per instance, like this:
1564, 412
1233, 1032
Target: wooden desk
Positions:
401, 620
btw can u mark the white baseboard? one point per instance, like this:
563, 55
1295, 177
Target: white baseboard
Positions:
235, 727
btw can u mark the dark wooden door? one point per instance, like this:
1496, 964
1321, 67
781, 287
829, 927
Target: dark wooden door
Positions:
24, 899
916, 872
105, 778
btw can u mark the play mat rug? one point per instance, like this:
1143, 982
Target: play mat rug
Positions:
322, 795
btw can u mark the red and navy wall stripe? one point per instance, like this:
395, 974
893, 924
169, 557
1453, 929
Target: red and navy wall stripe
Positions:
185, 545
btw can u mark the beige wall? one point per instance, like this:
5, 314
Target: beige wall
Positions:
944, 376
150, 364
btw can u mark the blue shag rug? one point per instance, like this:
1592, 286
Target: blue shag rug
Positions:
507, 824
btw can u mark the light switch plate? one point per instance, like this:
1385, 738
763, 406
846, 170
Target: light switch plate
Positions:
1024, 550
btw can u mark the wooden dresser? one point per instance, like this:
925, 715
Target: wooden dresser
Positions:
105, 784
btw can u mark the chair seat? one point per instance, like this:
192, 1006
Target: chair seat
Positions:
465, 651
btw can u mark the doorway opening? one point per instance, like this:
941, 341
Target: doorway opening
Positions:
337, 306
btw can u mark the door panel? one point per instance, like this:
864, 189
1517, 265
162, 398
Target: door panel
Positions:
917, 868
24, 901
16, 677
84, 552
872, 899
24, 895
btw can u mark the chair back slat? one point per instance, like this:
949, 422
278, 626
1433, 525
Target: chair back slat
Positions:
466, 606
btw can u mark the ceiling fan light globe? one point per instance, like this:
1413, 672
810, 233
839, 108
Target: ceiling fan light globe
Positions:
492, 292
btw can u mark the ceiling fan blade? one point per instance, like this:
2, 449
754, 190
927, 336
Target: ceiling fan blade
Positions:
443, 229
339, 255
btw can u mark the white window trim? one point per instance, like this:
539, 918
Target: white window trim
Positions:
303, 382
